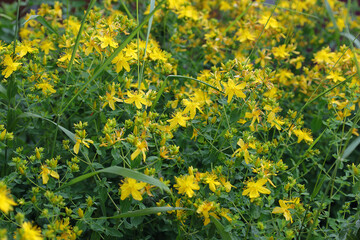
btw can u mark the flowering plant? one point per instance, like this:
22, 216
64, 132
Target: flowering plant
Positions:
186, 115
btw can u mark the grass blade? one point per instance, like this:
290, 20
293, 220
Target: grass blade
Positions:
221, 229
152, 5
351, 148
41, 20
143, 212
3, 90
125, 172
111, 57
352, 38
331, 14
67, 132
77, 41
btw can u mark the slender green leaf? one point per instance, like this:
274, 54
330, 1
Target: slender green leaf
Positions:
3, 90
122, 172
221, 229
78, 37
5, 16
111, 57
152, 5
331, 14
42, 20
353, 145
352, 38
143, 212
67, 132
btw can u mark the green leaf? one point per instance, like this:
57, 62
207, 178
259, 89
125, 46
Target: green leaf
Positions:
143, 212
41, 20
77, 41
331, 14
352, 38
221, 229
351, 148
5, 16
152, 5
125, 172
67, 132
3, 91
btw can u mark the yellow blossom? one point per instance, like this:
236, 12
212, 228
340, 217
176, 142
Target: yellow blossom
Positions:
191, 107
131, 186
186, 185
335, 76
211, 180
254, 188
141, 147
11, 66
231, 88
245, 35
204, 209
6, 201
283, 209
121, 62
24, 48
280, 52
304, 134
110, 97
45, 172
29, 232
178, 118
137, 98
107, 40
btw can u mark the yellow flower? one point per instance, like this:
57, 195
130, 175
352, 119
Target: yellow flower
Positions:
178, 118
29, 232
80, 139
243, 148
6, 202
110, 99
254, 188
107, 40
24, 48
335, 76
131, 186
226, 184
46, 46
283, 209
225, 213
191, 107
231, 88
141, 148
270, 22
244, 35
136, 98
10, 66
204, 209
45, 172
303, 135
188, 12
121, 62
280, 52
211, 180
186, 185
45, 87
